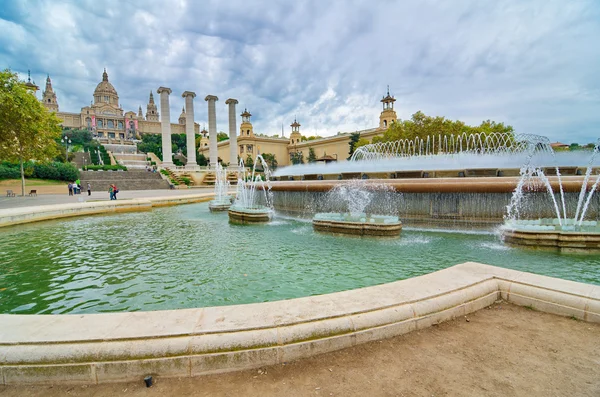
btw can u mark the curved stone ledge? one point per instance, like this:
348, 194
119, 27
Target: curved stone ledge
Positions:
554, 240
15, 216
358, 228
439, 185
114, 347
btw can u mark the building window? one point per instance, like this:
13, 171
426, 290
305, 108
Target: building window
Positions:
120, 125
385, 123
111, 124
248, 132
100, 124
241, 148
249, 148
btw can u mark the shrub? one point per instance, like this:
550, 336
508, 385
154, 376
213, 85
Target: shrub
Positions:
7, 172
57, 171
164, 172
185, 180
152, 162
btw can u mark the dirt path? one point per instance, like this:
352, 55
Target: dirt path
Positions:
501, 351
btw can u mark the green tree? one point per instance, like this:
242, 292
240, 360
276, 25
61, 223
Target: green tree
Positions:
297, 158
201, 160
249, 162
354, 138
221, 136
28, 131
271, 160
422, 126
312, 157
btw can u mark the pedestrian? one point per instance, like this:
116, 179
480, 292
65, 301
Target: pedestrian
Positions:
70, 185
111, 192
89, 189
115, 191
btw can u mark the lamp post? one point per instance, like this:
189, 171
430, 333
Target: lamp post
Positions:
67, 142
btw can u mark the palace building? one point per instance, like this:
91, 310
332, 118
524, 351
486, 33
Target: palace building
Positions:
105, 116
327, 149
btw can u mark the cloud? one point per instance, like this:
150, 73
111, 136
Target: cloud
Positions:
529, 64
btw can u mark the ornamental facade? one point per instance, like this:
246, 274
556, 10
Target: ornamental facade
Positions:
106, 118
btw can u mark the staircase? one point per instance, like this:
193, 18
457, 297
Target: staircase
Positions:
175, 177
210, 178
81, 159
125, 180
232, 177
132, 161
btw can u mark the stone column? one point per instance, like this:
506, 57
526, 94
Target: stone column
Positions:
233, 150
189, 130
165, 125
212, 130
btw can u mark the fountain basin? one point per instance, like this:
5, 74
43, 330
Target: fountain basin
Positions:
357, 224
259, 214
218, 205
548, 233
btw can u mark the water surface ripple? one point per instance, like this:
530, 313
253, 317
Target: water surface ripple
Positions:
185, 256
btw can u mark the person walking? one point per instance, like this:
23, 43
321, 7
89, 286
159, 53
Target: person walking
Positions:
70, 186
89, 187
111, 192
115, 191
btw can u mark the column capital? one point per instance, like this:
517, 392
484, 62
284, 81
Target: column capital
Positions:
164, 89
188, 93
211, 98
231, 101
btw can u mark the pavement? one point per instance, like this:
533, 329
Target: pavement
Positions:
49, 199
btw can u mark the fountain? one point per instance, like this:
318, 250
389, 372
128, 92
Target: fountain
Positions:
568, 230
222, 200
250, 205
355, 217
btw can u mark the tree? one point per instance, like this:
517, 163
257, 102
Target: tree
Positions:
249, 162
354, 138
201, 160
297, 158
271, 160
312, 157
28, 131
221, 136
421, 126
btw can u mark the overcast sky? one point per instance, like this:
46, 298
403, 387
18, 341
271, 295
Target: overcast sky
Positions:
533, 64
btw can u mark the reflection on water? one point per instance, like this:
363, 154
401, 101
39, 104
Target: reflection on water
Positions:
185, 256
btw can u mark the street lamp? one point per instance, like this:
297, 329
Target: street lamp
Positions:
67, 142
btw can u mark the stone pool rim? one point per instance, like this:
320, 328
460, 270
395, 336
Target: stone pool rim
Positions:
116, 347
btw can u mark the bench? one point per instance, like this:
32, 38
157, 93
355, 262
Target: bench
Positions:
33, 192
10, 193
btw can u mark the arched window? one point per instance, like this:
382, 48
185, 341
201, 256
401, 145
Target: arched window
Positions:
385, 123
111, 124
100, 124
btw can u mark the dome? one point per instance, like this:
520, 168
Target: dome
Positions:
105, 92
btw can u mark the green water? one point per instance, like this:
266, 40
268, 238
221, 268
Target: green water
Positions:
185, 256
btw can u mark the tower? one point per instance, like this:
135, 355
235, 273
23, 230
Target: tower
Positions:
246, 129
140, 114
295, 136
151, 110
49, 97
388, 114
182, 116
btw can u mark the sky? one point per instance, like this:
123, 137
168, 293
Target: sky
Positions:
533, 64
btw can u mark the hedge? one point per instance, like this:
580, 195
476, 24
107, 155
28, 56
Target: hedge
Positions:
105, 167
53, 170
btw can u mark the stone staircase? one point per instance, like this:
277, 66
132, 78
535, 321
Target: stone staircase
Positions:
125, 180
210, 178
81, 159
232, 177
132, 161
